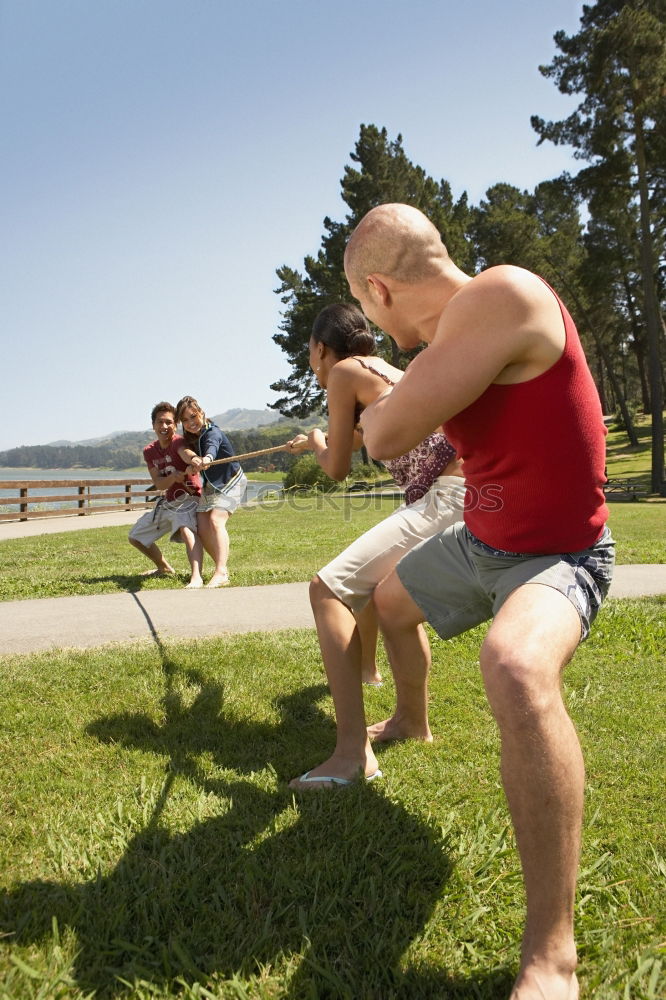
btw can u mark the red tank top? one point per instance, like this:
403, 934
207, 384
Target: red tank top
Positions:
533, 457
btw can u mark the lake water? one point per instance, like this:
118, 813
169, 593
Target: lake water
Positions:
42, 475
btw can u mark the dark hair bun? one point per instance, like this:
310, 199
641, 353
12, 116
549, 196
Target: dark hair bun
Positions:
343, 327
361, 342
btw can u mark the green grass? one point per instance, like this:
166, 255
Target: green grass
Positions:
639, 530
625, 461
279, 543
266, 477
153, 850
268, 545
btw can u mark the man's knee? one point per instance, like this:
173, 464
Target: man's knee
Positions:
520, 684
530, 641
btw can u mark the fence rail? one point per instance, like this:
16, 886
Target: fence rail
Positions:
86, 499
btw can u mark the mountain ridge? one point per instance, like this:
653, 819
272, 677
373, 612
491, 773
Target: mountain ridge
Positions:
235, 419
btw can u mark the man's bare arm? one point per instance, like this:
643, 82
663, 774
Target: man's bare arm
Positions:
499, 327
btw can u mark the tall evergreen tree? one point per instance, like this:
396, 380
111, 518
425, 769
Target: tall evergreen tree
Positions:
543, 232
381, 173
617, 61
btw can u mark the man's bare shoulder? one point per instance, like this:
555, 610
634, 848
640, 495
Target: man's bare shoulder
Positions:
504, 281
509, 311
504, 294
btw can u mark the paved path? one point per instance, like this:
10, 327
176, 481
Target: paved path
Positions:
54, 525
86, 622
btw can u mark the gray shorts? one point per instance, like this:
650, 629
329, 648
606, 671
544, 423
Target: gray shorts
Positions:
228, 497
166, 517
458, 581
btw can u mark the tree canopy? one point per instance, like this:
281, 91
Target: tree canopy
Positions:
598, 237
617, 62
383, 173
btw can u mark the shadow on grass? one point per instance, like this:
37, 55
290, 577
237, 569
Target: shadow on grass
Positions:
325, 892
134, 582
209, 904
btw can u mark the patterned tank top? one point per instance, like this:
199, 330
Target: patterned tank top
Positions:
418, 469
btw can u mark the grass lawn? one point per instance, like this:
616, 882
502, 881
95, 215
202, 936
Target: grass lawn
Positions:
625, 461
280, 544
153, 850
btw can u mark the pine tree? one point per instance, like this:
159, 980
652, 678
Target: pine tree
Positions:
617, 61
384, 174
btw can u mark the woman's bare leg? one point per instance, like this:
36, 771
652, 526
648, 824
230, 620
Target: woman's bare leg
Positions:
368, 629
341, 652
213, 530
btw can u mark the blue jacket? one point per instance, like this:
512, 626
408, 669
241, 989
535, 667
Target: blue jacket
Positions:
214, 442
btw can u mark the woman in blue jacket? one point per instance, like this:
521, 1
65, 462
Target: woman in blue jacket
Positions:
224, 485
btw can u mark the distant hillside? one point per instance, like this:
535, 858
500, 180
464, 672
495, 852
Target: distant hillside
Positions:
123, 449
245, 420
92, 442
231, 420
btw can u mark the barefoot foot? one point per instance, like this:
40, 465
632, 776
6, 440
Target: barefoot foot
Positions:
218, 580
196, 584
165, 570
399, 729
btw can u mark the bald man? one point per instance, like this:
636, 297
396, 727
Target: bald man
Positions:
505, 373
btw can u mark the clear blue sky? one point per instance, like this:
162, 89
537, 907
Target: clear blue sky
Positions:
161, 158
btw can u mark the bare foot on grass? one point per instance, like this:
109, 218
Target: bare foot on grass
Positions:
165, 570
390, 730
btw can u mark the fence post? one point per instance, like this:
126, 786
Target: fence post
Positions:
128, 494
23, 507
82, 500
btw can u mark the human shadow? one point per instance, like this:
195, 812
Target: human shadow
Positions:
132, 582
346, 878
196, 721
211, 903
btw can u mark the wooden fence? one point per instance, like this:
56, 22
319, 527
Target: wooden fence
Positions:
85, 497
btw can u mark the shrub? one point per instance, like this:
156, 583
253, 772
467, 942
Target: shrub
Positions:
306, 471
370, 472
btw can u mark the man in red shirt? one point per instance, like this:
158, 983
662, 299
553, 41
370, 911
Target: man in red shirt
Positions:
175, 512
505, 375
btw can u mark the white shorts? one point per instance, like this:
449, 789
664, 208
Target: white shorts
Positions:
228, 497
166, 517
353, 575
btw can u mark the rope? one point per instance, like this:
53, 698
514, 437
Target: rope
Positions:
248, 454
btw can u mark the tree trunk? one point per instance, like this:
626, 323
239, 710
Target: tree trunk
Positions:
603, 354
618, 392
652, 316
638, 347
601, 385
